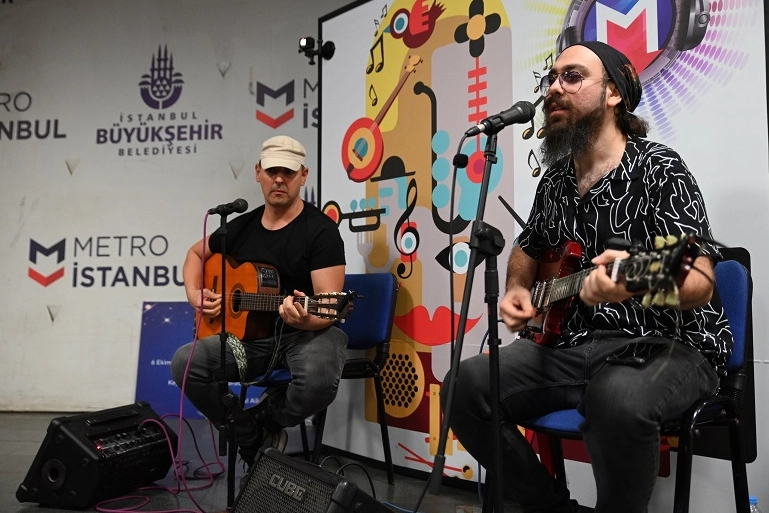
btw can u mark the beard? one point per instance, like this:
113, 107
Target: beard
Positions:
573, 137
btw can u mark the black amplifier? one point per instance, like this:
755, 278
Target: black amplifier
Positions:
280, 484
91, 457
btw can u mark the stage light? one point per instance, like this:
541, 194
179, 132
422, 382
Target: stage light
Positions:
307, 47
306, 44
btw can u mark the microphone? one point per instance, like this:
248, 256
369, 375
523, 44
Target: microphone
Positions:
521, 112
238, 206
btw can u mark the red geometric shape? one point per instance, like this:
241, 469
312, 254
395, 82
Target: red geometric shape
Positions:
45, 280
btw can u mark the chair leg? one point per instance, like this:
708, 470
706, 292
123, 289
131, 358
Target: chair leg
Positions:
684, 468
320, 426
383, 427
559, 466
488, 494
739, 470
305, 443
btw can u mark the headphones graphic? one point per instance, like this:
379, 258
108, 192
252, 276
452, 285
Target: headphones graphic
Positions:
691, 22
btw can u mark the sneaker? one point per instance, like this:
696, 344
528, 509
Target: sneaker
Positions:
275, 439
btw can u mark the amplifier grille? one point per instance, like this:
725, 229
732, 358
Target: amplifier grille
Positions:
284, 489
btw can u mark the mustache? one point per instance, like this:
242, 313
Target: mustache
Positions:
553, 102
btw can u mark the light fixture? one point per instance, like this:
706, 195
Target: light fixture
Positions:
307, 47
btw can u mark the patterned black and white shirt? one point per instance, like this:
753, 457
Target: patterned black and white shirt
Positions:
650, 193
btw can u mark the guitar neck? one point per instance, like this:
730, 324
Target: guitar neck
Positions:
561, 288
556, 289
256, 302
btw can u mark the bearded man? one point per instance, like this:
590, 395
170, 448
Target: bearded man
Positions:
626, 367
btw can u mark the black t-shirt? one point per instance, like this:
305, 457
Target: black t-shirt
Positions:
309, 242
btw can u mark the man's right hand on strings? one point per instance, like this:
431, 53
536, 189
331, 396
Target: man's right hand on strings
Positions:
516, 309
211, 302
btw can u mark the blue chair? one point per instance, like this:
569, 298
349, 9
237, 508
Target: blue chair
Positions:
735, 288
368, 328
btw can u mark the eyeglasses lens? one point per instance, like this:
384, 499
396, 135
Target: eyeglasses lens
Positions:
570, 81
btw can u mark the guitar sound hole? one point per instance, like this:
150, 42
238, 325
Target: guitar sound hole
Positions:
236, 298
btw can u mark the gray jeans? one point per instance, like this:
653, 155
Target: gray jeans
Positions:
623, 407
315, 359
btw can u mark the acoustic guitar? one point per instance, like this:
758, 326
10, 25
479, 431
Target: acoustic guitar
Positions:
252, 299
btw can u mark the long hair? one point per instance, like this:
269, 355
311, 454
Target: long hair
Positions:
629, 123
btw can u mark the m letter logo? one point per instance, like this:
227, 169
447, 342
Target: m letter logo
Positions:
34, 250
262, 91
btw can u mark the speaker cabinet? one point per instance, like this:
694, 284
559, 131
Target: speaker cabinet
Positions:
91, 457
280, 484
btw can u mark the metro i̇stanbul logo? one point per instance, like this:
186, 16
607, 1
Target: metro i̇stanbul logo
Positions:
105, 261
36, 249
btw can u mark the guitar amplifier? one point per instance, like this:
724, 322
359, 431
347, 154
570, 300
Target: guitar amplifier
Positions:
280, 484
90, 457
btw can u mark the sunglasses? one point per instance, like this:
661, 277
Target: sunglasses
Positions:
570, 81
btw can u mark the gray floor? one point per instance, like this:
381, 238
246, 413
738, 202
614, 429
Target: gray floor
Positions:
21, 436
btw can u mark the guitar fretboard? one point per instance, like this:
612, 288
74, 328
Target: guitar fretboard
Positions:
550, 291
256, 302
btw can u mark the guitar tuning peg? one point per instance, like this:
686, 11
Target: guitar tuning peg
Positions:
646, 302
659, 299
659, 242
671, 240
671, 299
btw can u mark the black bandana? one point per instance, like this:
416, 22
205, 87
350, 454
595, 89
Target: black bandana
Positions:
620, 71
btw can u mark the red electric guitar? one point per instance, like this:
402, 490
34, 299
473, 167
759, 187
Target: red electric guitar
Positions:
659, 272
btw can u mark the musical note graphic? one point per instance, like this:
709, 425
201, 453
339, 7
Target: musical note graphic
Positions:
548, 62
537, 80
405, 234
529, 131
535, 170
372, 95
376, 66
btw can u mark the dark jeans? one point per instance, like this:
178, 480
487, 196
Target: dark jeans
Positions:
315, 359
623, 408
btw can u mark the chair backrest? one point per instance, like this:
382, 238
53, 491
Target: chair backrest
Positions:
735, 289
371, 320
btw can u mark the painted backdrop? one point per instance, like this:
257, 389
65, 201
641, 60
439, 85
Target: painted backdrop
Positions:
410, 77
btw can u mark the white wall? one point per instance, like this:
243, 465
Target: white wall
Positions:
76, 64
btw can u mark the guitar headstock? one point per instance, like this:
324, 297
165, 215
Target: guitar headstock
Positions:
661, 271
413, 62
336, 306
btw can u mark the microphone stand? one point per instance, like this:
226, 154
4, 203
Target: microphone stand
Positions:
227, 425
487, 240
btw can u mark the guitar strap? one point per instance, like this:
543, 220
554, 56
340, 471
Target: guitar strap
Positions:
239, 353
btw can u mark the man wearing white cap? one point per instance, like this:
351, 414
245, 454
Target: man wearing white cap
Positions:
306, 249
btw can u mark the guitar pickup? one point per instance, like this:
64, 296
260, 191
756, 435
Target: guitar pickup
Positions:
268, 277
